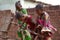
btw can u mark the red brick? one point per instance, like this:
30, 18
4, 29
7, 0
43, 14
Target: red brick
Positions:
1, 39
11, 39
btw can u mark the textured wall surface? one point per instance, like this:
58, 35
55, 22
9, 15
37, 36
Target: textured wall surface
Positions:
53, 11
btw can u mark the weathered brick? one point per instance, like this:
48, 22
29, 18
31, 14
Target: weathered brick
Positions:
54, 12
1, 39
11, 39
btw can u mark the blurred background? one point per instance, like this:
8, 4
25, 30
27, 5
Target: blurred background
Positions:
8, 30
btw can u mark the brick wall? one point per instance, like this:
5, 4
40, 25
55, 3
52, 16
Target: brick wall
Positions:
5, 19
53, 11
